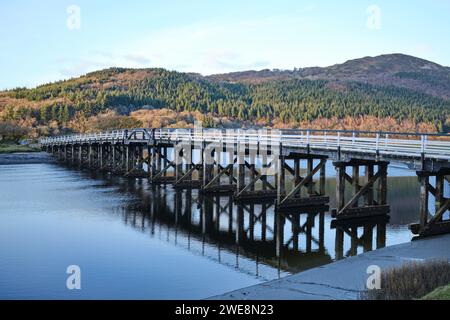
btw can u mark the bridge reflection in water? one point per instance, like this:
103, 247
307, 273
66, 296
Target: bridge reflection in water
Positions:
253, 237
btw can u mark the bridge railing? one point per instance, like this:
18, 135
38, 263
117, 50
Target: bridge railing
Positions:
401, 144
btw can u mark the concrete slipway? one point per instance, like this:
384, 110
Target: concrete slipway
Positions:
346, 278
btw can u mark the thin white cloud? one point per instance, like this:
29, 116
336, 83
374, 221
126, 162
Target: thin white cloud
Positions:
210, 46
216, 47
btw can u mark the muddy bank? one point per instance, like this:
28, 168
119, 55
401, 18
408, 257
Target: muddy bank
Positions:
25, 158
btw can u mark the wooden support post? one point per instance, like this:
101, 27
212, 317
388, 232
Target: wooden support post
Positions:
126, 150
281, 186
309, 226
66, 153
296, 171
321, 231
163, 161
80, 154
310, 164
439, 196
158, 158
149, 161
369, 194
355, 181
201, 165
353, 241
100, 155
218, 213
113, 158
140, 160
208, 166
190, 161
322, 181
383, 184
179, 154
89, 155
340, 187
218, 157
424, 182
252, 171
241, 168
295, 225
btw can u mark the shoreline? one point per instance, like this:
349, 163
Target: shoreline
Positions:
344, 279
17, 148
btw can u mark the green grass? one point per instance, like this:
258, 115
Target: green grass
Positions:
13, 148
441, 293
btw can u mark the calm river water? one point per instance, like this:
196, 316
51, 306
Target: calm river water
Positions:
132, 240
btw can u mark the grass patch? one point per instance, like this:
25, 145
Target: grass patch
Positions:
441, 293
13, 148
411, 281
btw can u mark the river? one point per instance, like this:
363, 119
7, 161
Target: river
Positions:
132, 240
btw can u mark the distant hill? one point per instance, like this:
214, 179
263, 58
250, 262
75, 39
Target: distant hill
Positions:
389, 92
386, 70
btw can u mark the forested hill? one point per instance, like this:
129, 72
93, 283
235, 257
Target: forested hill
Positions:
305, 97
393, 69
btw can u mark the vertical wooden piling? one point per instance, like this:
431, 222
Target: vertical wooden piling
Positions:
310, 164
322, 180
340, 187
423, 181
369, 193
383, 184
281, 175
439, 197
355, 181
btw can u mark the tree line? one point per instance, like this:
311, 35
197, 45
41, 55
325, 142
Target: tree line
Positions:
288, 100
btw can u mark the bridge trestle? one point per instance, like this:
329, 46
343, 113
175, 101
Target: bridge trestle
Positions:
436, 223
363, 201
162, 168
302, 191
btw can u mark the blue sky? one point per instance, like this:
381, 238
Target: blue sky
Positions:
39, 41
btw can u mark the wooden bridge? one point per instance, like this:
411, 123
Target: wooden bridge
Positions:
286, 167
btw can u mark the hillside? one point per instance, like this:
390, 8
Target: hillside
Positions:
390, 92
393, 69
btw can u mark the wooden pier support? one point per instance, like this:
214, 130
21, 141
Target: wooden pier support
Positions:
256, 183
432, 224
362, 202
304, 191
218, 171
191, 176
162, 168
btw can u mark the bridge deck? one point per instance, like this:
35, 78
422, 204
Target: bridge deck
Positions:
415, 150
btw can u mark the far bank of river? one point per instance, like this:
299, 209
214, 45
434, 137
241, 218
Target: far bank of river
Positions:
15, 148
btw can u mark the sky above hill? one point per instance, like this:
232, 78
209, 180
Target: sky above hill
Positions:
49, 40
